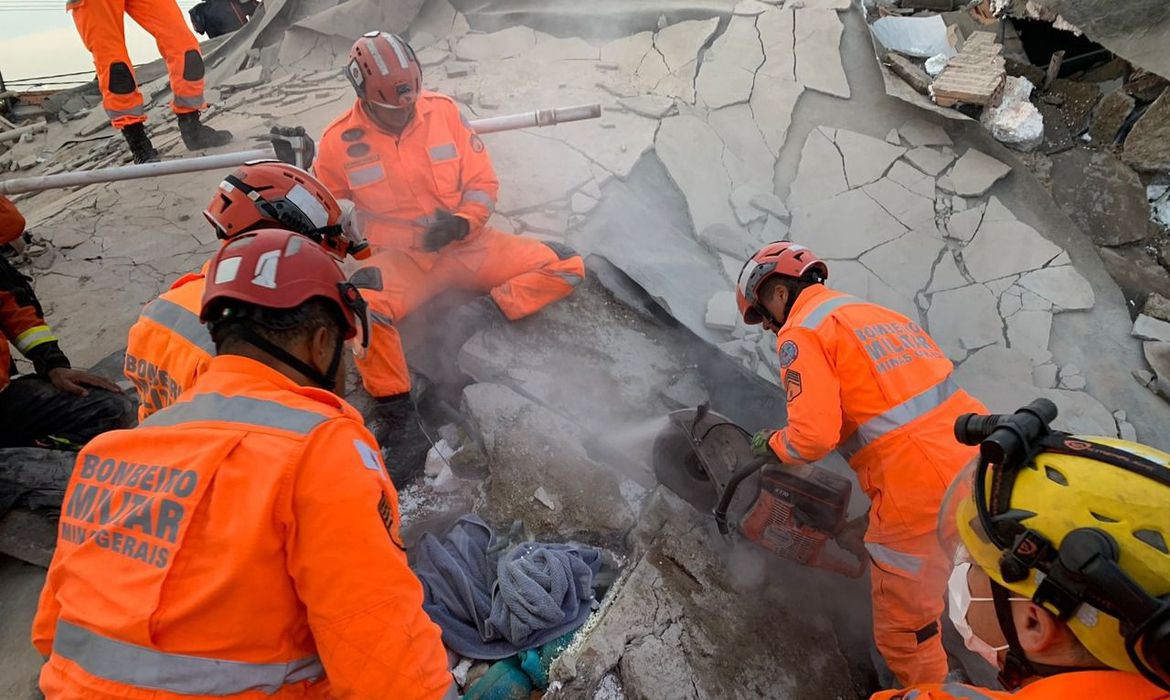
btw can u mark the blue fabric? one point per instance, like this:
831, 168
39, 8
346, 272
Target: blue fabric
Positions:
490, 606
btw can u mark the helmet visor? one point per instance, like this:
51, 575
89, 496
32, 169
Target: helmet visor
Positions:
958, 517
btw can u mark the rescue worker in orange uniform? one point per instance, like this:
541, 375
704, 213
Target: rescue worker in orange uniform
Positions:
1062, 580
870, 383
243, 542
56, 405
423, 186
101, 24
168, 347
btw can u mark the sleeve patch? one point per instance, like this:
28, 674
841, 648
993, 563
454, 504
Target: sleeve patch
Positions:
476, 143
370, 458
788, 353
386, 513
792, 385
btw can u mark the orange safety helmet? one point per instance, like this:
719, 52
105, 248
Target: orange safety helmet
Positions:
273, 194
789, 260
384, 70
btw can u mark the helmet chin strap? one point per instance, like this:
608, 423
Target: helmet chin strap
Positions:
324, 380
1017, 667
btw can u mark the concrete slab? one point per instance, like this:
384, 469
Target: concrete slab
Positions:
729, 66
905, 263
554, 170
852, 277
965, 319
1063, 286
1029, 332
976, 172
818, 55
912, 210
687, 146
919, 132
845, 226
822, 171
946, 275
931, 161
964, 225
679, 44
1005, 248
866, 158
1150, 328
505, 43
746, 157
912, 179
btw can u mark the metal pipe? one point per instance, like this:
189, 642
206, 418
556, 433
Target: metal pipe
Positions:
543, 117
21, 130
131, 172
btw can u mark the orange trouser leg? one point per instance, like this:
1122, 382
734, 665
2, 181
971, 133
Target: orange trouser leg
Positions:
178, 46
405, 285
909, 579
100, 24
523, 275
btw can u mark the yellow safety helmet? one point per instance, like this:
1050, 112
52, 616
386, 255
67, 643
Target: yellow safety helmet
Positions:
1080, 525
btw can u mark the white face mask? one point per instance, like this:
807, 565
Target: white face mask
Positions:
959, 595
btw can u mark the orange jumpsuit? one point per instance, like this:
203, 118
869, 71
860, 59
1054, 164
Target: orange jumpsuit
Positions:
243, 543
101, 26
1099, 685
168, 347
397, 184
870, 383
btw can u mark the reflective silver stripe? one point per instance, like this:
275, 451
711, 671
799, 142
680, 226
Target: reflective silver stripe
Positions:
236, 409
443, 152
365, 176
37, 335
194, 102
380, 319
372, 47
884, 555
399, 52
791, 452
571, 279
138, 111
963, 692
906, 412
481, 197
122, 662
181, 322
822, 312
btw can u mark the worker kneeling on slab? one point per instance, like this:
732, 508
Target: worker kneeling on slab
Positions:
56, 406
101, 26
424, 187
168, 347
870, 383
1062, 572
245, 540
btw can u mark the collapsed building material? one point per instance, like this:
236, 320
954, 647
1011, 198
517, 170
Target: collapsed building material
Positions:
1015, 121
21, 131
909, 71
975, 76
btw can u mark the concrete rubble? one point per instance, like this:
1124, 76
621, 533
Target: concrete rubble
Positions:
727, 125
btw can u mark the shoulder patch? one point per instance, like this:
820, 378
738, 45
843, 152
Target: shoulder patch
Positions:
788, 353
476, 143
792, 385
351, 135
370, 458
386, 514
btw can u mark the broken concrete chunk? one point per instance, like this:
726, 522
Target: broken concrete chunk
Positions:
722, 312
1157, 306
818, 52
912, 210
729, 240
1045, 376
1147, 148
1029, 332
1158, 356
679, 43
893, 138
1150, 328
583, 203
1071, 378
1109, 116
912, 179
1015, 121
946, 275
551, 48
686, 392
919, 132
905, 263
496, 46
750, 8
1063, 286
777, 99
458, 69
543, 498
857, 223
741, 198
866, 158
433, 56
728, 71
1005, 248
769, 202
746, 156
929, 160
965, 319
1103, 196
821, 174
688, 147
244, 79
976, 172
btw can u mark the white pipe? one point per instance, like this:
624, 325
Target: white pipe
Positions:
543, 117
20, 131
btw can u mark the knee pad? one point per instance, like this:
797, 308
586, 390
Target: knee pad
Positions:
563, 250
192, 65
121, 79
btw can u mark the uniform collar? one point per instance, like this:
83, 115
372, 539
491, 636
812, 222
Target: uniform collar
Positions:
422, 108
246, 374
809, 298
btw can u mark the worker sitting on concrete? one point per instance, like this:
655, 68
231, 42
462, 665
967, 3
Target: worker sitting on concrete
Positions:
218, 17
424, 187
244, 540
101, 26
1062, 576
168, 347
870, 383
58, 406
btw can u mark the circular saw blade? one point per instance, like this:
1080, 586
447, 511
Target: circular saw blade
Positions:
678, 468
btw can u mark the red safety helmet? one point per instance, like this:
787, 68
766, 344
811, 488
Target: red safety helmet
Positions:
279, 269
790, 260
384, 70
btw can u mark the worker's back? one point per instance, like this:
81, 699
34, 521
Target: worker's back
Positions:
1105, 684
242, 541
168, 346
895, 398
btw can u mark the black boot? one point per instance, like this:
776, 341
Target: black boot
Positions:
395, 424
139, 142
198, 136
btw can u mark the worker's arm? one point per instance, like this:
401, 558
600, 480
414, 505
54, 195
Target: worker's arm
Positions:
329, 168
813, 391
480, 184
11, 222
44, 627
23, 321
364, 604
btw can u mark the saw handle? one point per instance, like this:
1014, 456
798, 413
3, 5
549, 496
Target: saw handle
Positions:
729, 492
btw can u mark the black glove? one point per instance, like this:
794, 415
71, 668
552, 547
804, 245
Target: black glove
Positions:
447, 228
293, 145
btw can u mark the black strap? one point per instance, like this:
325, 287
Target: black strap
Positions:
1016, 668
325, 381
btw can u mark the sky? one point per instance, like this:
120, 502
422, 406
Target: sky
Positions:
43, 41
